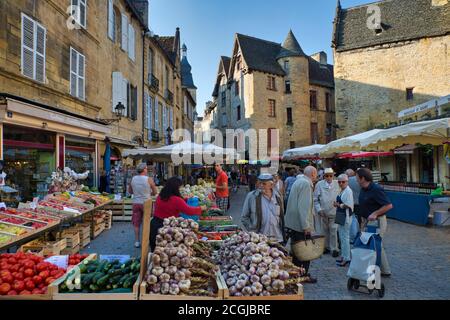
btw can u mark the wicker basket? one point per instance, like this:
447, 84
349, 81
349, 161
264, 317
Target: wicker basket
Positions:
308, 250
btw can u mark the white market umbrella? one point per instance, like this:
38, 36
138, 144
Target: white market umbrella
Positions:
434, 132
304, 152
347, 144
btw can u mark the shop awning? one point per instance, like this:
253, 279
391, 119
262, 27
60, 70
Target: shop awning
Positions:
309, 152
359, 155
25, 114
347, 144
408, 149
434, 132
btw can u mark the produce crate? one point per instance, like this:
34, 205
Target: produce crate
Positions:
47, 248
108, 219
85, 242
296, 297
56, 295
84, 229
116, 208
72, 237
143, 295
71, 251
99, 229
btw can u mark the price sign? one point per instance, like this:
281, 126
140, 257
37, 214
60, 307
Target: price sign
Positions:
117, 197
111, 258
60, 261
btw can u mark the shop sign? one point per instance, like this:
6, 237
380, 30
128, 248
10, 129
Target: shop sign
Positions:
111, 258
60, 261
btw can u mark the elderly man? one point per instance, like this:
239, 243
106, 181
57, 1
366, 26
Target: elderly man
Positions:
325, 195
263, 211
299, 213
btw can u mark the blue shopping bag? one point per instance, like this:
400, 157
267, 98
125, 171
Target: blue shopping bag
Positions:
354, 229
193, 202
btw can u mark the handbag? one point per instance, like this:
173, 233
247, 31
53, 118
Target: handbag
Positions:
309, 249
341, 214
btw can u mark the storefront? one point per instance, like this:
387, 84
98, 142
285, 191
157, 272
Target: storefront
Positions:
37, 139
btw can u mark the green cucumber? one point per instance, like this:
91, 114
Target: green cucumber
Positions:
114, 272
130, 282
94, 288
103, 281
97, 277
83, 268
122, 280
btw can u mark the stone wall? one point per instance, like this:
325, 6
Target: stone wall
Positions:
371, 83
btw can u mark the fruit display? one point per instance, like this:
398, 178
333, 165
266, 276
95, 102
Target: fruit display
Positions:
12, 230
102, 277
67, 180
200, 192
253, 266
181, 264
5, 239
22, 222
76, 259
26, 274
29, 215
97, 200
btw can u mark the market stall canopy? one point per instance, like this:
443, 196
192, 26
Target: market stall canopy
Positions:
231, 154
347, 144
309, 152
363, 154
434, 132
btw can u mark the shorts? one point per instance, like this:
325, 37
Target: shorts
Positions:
138, 215
222, 203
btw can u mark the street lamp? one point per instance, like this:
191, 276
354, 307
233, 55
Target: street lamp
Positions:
169, 135
119, 112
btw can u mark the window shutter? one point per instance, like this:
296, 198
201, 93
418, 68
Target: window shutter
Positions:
40, 52
150, 112
83, 10
117, 89
27, 46
131, 42
111, 20
124, 32
146, 108
156, 114
134, 102
73, 72
124, 95
81, 76
171, 118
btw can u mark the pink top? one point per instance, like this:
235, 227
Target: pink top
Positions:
173, 207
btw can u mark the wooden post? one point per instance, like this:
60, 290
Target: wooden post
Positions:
148, 206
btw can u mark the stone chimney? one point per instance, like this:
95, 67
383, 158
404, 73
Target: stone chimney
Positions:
320, 57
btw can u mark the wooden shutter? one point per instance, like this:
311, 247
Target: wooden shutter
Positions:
117, 89
131, 42
73, 72
111, 27
40, 53
146, 108
134, 102
124, 32
81, 76
83, 11
27, 47
124, 96
150, 112
156, 114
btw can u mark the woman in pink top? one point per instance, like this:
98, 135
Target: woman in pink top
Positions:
170, 204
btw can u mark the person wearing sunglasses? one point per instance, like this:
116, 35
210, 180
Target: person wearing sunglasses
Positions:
344, 208
325, 195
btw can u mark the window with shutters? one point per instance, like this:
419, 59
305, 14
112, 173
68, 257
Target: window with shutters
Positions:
34, 37
133, 102
124, 31
313, 99
131, 43
77, 74
158, 107
272, 108
289, 117
81, 13
271, 83
111, 22
150, 112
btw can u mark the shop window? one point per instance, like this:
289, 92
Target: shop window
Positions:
80, 157
30, 159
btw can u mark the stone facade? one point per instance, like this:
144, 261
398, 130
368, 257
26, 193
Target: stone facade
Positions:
250, 90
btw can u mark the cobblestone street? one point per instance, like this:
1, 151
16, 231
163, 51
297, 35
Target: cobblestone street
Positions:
419, 258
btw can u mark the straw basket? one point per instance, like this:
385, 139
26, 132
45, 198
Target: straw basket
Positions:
308, 250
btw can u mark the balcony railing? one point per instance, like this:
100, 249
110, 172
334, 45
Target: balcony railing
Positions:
169, 96
153, 82
155, 136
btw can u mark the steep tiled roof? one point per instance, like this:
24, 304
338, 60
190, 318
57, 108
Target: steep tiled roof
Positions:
260, 55
322, 75
224, 66
226, 63
167, 45
401, 20
139, 9
291, 47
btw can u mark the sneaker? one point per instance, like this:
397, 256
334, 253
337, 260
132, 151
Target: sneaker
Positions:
137, 244
335, 254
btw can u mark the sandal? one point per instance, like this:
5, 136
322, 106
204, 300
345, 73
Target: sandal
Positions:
343, 264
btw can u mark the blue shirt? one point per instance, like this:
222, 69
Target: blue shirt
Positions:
372, 199
289, 183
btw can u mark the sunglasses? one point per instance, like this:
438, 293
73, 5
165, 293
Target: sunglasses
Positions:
342, 182
329, 176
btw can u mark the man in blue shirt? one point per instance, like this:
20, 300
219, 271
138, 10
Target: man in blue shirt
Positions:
373, 206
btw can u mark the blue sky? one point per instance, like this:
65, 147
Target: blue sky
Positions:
208, 28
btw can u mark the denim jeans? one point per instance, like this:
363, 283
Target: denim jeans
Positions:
344, 238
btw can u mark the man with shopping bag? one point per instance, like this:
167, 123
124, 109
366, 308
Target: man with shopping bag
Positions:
325, 195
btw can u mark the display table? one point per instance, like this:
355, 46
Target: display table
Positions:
410, 207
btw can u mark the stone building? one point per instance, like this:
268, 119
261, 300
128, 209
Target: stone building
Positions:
267, 86
390, 56
189, 94
386, 66
60, 83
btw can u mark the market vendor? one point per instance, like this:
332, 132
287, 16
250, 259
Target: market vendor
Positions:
222, 192
142, 187
263, 211
169, 204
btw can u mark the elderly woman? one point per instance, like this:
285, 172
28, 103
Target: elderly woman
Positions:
263, 211
344, 205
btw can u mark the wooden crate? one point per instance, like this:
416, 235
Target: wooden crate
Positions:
99, 229
56, 295
71, 251
108, 219
72, 237
48, 248
84, 229
85, 242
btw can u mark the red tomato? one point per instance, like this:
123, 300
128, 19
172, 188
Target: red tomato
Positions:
4, 273
12, 260
8, 279
28, 273
15, 268
36, 291
53, 267
44, 274
30, 285
5, 288
41, 285
18, 285
41, 266
44, 289
48, 281
25, 293
37, 280
29, 264
28, 279
54, 272
18, 276
12, 293
1, 281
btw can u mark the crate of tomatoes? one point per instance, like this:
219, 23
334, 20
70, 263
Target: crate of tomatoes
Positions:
25, 276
